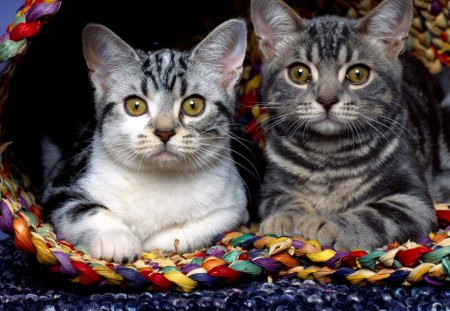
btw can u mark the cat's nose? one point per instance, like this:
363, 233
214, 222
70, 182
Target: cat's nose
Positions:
164, 134
327, 102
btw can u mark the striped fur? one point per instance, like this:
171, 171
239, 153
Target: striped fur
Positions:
364, 171
125, 187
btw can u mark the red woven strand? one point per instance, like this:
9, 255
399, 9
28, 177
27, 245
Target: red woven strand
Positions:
350, 259
25, 30
226, 273
410, 257
160, 283
86, 274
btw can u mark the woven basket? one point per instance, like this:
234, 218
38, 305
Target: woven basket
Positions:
238, 254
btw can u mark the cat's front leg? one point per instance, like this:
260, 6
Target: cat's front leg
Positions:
288, 208
396, 218
103, 232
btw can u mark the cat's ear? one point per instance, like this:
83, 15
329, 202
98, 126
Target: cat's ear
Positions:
274, 21
390, 22
223, 51
104, 53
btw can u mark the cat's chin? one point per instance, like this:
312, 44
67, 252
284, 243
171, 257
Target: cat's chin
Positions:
328, 127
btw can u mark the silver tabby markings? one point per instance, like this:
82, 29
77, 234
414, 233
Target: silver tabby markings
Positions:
158, 165
355, 147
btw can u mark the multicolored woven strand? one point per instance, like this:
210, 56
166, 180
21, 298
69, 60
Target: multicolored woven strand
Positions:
238, 255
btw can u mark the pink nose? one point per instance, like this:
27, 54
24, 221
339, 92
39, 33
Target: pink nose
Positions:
327, 102
164, 135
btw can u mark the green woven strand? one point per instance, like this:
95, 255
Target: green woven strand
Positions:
232, 255
446, 265
19, 19
246, 267
11, 48
241, 239
197, 261
436, 255
369, 260
31, 217
170, 268
81, 247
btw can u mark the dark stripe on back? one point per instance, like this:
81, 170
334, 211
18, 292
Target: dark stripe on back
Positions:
83, 209
56, 200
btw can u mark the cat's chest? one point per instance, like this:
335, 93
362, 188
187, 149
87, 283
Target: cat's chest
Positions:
337, 195
157, 198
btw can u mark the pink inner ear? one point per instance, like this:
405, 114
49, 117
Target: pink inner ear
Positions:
233, 63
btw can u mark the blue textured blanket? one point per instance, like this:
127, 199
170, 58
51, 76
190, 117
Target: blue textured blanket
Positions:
26, 285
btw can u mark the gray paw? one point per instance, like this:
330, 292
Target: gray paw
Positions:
280, 224
326, 232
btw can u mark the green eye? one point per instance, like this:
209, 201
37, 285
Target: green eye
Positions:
193, 106
299, 73
135, 106
358, 74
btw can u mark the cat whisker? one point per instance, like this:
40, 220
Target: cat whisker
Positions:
235, 152
218, 157
390, 129
392, 121
372, 126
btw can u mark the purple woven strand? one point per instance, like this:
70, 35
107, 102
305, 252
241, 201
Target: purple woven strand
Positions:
332, 262
66, 266
207, 280
6, 219
431, 281
397, 277
133, 278
254, 253
343, 272
436, 7
4, 66
42, 9
297, 244
216, 251
189, 267
267, 263
23, 202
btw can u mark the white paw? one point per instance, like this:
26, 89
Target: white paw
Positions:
118, 245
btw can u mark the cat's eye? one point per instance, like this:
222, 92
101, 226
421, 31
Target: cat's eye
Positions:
299, 73
193, 106
358, 74
135, 106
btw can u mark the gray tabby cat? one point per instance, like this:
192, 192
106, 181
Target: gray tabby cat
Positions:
159, 166
355, 147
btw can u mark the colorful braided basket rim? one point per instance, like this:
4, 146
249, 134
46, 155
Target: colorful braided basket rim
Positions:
237, 255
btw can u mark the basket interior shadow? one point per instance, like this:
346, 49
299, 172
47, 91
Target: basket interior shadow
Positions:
49, 94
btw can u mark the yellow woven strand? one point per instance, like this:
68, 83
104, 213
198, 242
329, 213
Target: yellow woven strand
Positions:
111, 277
322, 256
417, 273
306, 273
44, 254
279, 245
184, 283
360, 276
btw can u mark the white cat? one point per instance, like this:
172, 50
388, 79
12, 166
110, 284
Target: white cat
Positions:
158, 166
